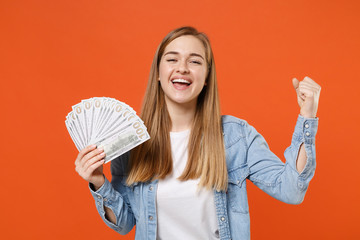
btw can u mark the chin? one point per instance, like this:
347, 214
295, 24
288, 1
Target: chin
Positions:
182, 101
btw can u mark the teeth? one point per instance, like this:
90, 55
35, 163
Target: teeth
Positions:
180, 81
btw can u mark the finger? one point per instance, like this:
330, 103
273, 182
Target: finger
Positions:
302, 97
310, 81
84, 172
308, 87
306, 92
90, 155
301, 90
93, 160
295, 83
94, 166
83, 152
311, 85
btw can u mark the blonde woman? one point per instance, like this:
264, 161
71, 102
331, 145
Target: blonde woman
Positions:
189, 180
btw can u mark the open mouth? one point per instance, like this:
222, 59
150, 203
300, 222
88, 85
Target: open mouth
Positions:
181, 82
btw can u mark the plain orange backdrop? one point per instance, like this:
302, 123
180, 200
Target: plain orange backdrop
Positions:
55, 53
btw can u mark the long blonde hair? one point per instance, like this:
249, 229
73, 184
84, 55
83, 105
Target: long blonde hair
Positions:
206, 157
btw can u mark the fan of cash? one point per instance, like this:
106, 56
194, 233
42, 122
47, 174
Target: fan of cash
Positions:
108, 123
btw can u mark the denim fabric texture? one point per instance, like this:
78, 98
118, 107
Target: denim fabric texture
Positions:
247, 157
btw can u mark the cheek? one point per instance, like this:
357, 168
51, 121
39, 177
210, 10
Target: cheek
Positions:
163, 73
201, 75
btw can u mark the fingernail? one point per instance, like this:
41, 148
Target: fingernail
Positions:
102, 154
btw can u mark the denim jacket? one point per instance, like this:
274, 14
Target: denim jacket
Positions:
247, 157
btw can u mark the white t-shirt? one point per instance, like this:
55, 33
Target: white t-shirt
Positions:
184, 211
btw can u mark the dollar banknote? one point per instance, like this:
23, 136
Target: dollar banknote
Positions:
108, 123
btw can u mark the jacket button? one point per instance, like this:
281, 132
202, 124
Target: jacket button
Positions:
151, 218
222, 219
150, 188
306, 125
307, 134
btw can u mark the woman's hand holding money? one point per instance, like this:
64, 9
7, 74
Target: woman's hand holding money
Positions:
89, 165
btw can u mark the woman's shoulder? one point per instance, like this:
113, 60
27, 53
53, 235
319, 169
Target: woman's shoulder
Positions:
234, 129
228, 120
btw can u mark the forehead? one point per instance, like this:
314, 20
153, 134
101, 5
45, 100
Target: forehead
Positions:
186, 45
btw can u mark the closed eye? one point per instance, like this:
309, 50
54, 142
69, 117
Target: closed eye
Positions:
196, 62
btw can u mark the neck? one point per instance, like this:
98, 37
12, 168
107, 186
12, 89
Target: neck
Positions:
181, 115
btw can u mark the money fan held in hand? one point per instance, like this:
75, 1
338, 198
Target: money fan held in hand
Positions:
108, 123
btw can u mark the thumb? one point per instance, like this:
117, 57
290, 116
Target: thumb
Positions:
295, 83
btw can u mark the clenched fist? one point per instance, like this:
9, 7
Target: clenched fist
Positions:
308, 94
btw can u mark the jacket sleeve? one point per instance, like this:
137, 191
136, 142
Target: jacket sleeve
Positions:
269, 173
108, 196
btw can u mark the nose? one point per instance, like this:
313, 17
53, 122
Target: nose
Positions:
182, 67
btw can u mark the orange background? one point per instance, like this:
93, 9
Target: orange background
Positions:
55, 53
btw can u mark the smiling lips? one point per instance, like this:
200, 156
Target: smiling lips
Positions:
180, 83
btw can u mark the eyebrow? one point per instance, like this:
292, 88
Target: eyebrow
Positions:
191, 54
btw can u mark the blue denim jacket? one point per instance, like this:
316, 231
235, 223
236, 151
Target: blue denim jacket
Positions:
247, 157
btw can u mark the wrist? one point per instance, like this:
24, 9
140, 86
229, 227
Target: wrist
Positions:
305, 115
308, 116
98, 184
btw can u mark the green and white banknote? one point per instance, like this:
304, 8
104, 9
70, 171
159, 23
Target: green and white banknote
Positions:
108, 123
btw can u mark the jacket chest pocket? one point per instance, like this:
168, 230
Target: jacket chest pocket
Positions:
236, 194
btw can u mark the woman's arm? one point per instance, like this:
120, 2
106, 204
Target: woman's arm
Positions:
281, 180
110, 203
301, 159
109, 214
287, 182
113, 207
308, 94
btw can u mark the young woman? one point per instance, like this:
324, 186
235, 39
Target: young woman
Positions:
188, 180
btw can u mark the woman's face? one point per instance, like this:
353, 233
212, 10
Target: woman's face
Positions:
183, 70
